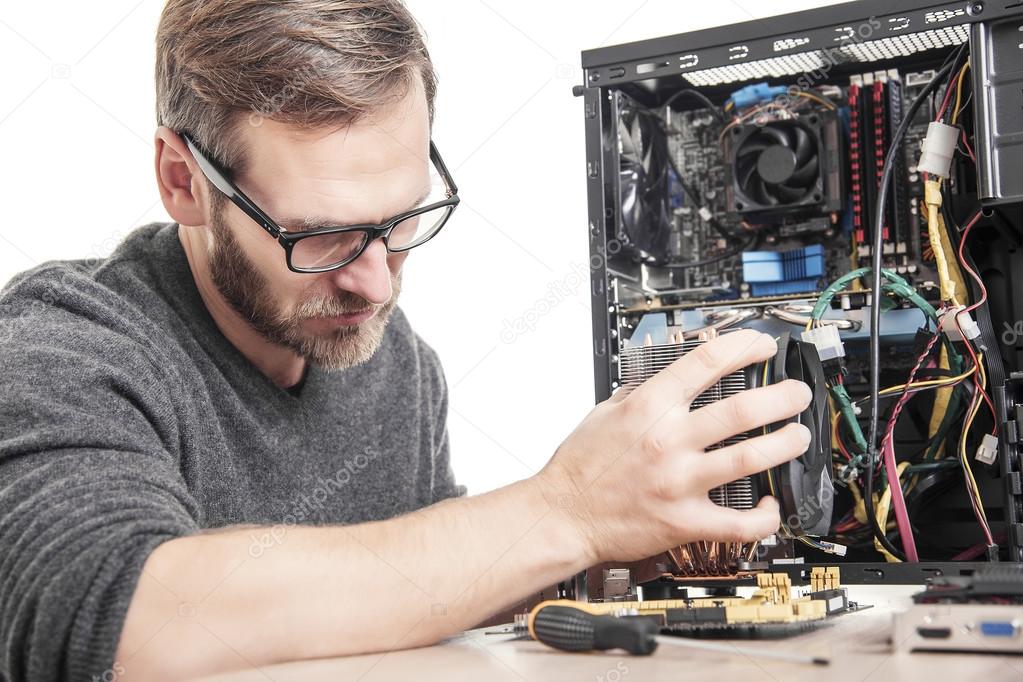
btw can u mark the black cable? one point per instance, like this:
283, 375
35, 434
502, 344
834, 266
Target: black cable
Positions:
875, 308
695, 94
695, 197
731, 253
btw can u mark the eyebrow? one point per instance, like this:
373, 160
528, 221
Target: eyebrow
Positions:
319, 222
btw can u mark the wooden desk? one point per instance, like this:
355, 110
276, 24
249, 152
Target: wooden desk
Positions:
857, 645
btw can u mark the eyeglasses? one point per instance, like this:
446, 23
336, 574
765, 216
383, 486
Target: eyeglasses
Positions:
329, 248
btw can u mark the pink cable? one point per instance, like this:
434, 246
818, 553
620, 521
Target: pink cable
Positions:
891, 471
966, 266
899, 503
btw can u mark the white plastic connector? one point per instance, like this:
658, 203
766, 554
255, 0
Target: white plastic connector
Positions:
827, 341
948, 325
937, 149
705, 214
832, 547
987, 451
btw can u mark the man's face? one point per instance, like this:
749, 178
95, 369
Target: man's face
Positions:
364, 173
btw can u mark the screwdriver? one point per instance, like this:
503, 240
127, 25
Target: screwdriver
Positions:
568, 625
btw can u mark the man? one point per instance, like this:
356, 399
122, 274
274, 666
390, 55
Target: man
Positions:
223, 446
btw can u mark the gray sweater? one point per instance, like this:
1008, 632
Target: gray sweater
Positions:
127, 419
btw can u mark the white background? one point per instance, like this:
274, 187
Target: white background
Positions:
76, 139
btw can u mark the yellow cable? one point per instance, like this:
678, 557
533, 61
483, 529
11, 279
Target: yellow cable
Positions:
810, 95
971, 483
935, 232
959, 90
929, 383
881, 509
951, 280
859, 508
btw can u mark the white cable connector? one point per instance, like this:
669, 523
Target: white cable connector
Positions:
987, 451
948, 325
827, 340
832, 547
937, 149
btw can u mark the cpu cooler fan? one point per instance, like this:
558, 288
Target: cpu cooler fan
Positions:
803, 486
787, 166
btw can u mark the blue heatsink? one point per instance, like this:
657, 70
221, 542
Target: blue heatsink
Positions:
780, 273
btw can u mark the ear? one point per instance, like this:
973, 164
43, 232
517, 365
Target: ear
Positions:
182, 185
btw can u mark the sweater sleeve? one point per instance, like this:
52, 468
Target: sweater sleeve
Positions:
444, 485
89, 484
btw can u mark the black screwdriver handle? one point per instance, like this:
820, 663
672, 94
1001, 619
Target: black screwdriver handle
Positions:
571, 629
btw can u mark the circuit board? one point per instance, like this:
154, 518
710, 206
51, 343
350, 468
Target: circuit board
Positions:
775, 610
868, 110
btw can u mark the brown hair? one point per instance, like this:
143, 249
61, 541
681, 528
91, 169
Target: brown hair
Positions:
310, 63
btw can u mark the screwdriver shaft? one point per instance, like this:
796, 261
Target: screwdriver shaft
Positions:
743, 651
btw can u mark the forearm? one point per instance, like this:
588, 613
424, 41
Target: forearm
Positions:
205, 603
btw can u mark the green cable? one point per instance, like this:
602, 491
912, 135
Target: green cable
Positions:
845, 407
896, 285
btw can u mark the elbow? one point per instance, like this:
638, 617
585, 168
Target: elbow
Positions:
160, 637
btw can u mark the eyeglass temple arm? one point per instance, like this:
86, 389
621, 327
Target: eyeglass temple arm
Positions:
220, 181
445, 173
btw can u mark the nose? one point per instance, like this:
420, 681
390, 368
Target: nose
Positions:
369, 275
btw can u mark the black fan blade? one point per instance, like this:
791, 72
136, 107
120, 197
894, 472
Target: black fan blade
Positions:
752, 147
763, 194
804, 146
789, 194
806, 174
630, 146
746, 172
777, 136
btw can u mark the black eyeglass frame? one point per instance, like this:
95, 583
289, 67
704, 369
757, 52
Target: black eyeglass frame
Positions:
221, 180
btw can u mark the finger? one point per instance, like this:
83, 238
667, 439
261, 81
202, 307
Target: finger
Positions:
702, 367
743, 411
749, 525
752, 456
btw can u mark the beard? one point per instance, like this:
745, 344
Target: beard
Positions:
249, 292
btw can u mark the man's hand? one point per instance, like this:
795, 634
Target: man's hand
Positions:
635, 474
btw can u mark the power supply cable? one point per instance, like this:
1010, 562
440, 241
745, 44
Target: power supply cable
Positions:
875, 308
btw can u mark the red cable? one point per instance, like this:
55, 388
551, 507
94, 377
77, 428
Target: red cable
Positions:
948, 97
983, 299
962, 260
